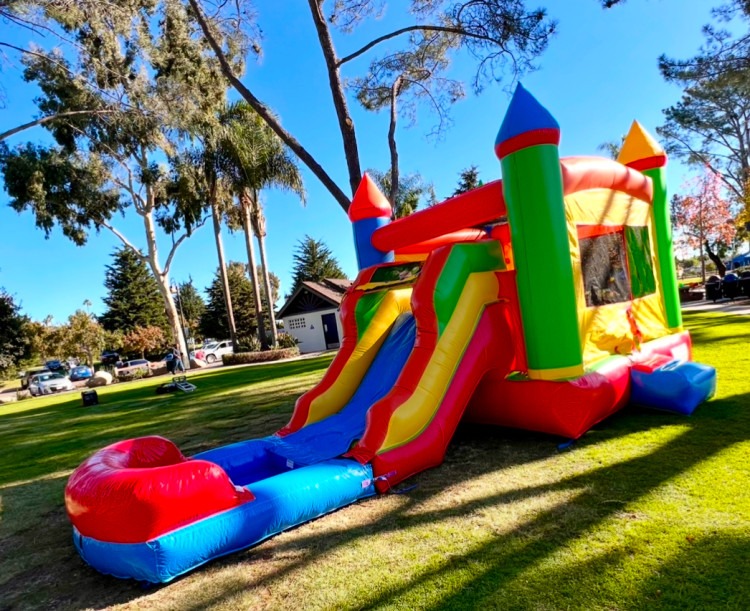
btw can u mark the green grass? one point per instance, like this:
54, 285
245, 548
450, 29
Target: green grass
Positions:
647, 510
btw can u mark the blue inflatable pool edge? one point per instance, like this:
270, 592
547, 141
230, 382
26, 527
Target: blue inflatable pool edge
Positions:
281, 502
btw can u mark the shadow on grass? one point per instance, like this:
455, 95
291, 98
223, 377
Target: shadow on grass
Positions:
478, 578
490, 572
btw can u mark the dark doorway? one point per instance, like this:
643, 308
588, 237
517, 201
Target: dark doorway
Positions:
330, 331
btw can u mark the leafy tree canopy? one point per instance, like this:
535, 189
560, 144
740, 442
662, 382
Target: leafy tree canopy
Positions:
144, 339
133, 80
83, 337
15, 344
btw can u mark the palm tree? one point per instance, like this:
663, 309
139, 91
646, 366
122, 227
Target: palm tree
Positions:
258, 160
199, 180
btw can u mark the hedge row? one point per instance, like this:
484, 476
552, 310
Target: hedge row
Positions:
242, 358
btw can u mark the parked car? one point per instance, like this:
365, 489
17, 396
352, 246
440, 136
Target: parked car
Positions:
81, 372
57, 366
30, 373
110, 357
130, 369
213, 351
48, 383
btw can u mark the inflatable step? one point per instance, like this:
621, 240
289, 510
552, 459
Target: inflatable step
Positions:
671, 385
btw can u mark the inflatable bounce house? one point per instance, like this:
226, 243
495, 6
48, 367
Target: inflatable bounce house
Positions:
545, 301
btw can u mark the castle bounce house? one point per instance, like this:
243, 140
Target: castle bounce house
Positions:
545, 301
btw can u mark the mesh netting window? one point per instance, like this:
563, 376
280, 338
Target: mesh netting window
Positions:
605, 269
639, 261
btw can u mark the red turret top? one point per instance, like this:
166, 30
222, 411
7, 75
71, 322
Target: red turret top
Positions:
369, 202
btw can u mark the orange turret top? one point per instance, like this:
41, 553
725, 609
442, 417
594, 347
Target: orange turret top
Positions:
369, 202
641, 151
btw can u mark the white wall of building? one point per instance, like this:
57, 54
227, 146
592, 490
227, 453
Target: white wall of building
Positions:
307, 329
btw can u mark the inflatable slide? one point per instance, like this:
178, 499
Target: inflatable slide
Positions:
544, 301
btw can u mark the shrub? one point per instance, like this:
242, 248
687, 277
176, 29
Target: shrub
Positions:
248, 344
287, 341
243, 358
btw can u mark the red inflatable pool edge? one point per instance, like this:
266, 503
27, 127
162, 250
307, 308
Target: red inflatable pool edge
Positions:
138, 489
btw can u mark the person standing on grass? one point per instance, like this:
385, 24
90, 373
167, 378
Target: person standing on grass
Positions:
178, 366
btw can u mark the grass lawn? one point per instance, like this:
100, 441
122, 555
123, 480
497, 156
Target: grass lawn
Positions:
648, 510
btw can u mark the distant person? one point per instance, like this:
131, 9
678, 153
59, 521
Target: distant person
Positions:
178, 365
171, 362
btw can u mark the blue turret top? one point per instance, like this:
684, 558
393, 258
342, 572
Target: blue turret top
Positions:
526, 123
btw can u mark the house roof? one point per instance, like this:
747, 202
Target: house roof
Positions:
313, 296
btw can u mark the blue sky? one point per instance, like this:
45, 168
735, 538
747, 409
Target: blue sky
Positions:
598, 74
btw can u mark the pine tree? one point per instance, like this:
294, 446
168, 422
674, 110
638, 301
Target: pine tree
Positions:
313, 260
214, 320
133, 300
468, 180
191, 305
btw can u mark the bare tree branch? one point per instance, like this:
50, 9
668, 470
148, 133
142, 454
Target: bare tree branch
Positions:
412, 28
50, 118
263, 111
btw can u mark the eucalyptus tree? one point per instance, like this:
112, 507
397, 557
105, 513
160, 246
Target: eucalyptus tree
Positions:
142, 63
257, 159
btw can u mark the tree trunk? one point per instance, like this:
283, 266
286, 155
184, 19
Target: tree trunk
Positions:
346, 125
392, 145
259, 227
720, 267
265, 113
162, 280
246, 203
216, 216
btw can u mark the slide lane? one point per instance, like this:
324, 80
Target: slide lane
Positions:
366, 318
461, 331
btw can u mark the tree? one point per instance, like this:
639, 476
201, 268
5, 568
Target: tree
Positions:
141, 62
83, 337
15, 344
46, 340
198, 177
133, 298
313, 260
412, 191
612, 148
704, 218
257, 159
468, 179
213, 321
497, 33
709, 125
144, 339
191, 306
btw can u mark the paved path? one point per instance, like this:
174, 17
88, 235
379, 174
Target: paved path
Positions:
738, 306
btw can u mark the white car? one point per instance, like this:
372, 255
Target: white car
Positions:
48, 383
213, 351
